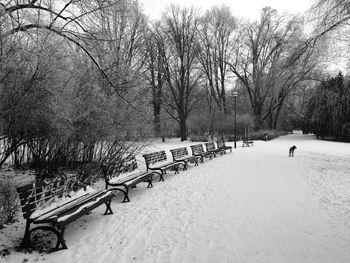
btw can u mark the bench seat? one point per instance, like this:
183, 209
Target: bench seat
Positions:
125, 176
210, 146
56, 204
75, 212
158, 163
247, 143
221, 145
182, 156
198, 150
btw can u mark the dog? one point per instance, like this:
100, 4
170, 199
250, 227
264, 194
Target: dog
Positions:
291, 151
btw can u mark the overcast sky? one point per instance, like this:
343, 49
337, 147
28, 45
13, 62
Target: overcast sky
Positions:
242, 8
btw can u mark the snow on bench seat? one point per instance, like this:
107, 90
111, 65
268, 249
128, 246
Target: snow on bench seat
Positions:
55, 204
121, 176
158, 162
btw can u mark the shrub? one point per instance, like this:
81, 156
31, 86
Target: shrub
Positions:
219, 124
199, 124
9, 203
225, 124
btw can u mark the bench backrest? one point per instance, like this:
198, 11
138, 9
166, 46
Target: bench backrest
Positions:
155, 157
127, 165
210, 146
197, 149
179, 152
43, 193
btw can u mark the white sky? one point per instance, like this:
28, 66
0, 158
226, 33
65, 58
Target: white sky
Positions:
249, 9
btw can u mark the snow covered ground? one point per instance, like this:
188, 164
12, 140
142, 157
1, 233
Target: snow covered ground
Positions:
253, 205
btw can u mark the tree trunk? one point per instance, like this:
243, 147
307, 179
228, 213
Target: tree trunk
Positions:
258, 121
16, 158
270, 121
157, 103
278, 111
183, 129
156, 120
224, 102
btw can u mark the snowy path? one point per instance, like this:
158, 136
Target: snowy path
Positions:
253, 205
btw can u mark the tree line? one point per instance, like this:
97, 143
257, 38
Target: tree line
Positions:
75, 74
328, 110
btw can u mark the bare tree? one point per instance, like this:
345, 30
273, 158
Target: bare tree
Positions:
154, 75
215, 36
73, 21
119, 41
177, 42
87, 35
331, 14
271, 60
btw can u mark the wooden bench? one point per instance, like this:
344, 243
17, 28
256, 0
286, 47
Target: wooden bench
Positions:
126, 175
198, 150
222, 145
54, 205
247, 143
158, 163
210, 146
182, 156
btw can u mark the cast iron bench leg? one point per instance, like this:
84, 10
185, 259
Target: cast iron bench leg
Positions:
195, 162
26, 238
61, 238
150, 185
126, 195
125, 192
185, 166
176, 169
59, 235
108, 208
161, 178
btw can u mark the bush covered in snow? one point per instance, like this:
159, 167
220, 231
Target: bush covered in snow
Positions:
9, 203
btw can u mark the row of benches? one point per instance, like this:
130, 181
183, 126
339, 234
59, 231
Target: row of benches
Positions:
53, 205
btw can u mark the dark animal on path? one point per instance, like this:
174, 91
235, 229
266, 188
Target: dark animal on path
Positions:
291, 151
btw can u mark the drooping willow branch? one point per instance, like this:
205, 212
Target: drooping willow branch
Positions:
25, 28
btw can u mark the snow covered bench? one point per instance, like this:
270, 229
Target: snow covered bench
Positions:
158, 163
56, 204
198, 150
247, 143
125, 176
222, 146
182, 156
210, 146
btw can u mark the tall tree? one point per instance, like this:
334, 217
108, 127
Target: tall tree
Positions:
154, 75
328, 111
53, 98
177, 43
215, 36
271, 60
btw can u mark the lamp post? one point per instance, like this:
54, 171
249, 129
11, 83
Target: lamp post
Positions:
235, 95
